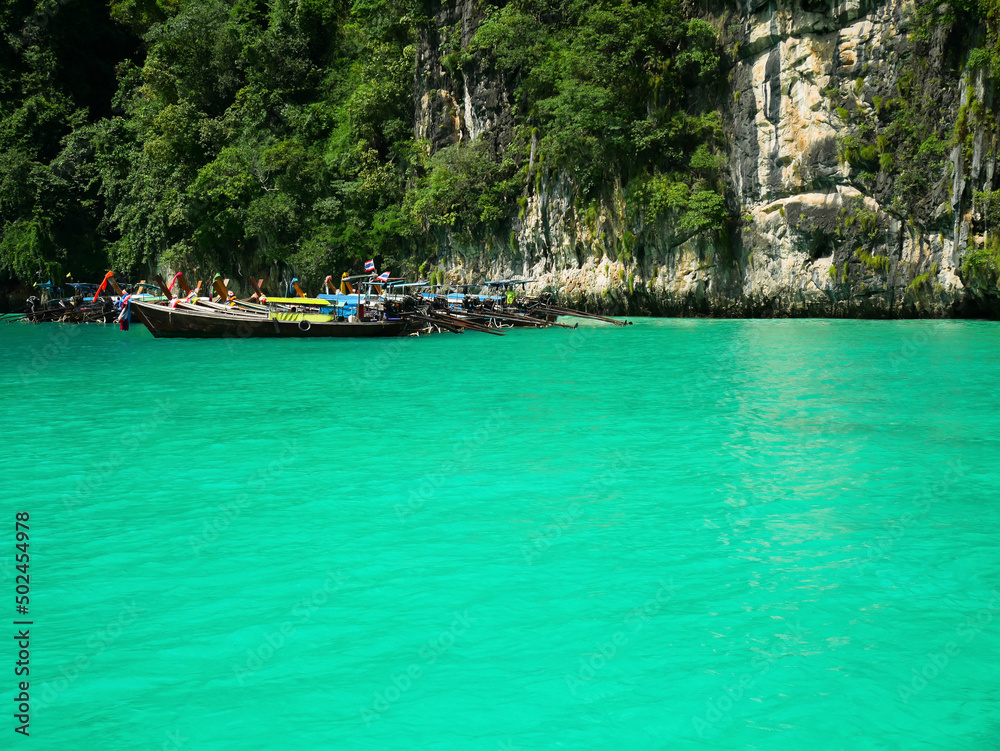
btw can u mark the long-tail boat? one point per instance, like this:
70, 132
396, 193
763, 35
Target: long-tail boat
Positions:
77, 307
87, 303
499, 304
297, 317
191, 322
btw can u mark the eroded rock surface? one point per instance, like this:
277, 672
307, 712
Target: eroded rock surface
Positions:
803, 76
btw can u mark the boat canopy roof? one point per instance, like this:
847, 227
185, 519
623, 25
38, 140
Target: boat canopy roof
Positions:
297, 301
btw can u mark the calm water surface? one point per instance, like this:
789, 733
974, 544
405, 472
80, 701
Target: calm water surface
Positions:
684, 534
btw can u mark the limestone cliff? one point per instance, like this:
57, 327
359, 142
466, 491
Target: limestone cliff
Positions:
820, 231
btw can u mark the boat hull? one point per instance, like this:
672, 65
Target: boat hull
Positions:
163, 321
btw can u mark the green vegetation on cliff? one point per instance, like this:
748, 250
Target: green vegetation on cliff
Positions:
235, 135
57, 79
613, 90
257, 133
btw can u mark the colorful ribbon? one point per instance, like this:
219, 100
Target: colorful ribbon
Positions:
103, 285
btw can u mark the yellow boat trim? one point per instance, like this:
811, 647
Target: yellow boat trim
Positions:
311, 317
299, 301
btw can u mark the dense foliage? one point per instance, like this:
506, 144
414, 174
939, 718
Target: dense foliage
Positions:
259, 133
617, 90
57, 79
238, 135
604, 82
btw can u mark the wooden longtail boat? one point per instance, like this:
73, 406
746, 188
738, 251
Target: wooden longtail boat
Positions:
71, 310
89, 303
191, 322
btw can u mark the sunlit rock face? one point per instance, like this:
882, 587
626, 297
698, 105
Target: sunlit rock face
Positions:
803, 74
458, 102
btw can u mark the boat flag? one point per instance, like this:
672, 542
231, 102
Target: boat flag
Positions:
384, 276
370, 265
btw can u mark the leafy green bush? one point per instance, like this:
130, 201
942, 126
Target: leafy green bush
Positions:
879, 263
979, 58
981, 268
917, 283
463, 188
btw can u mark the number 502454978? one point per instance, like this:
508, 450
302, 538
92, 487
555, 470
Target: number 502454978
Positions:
23, 559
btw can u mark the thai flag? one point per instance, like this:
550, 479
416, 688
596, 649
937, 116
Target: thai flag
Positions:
369, 265
384, 276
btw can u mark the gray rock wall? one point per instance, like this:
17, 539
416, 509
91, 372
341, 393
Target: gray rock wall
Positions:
803, 75
455, 100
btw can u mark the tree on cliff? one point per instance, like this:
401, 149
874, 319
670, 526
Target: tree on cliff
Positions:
235, 135
57, 76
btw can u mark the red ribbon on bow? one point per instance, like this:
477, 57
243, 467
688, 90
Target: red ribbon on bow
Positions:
103, 285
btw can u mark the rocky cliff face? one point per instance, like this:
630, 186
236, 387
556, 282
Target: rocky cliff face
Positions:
818, 233
455, 99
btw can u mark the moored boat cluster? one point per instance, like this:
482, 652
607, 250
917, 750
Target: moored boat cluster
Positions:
359, 306
84, 303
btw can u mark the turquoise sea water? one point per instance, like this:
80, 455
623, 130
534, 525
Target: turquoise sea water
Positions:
683, 534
